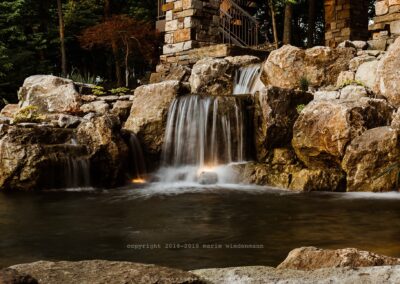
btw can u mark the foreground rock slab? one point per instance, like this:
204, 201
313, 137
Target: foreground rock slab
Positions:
311, 258
102, 271
12, 276
263, 274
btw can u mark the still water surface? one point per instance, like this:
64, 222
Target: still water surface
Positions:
101, 224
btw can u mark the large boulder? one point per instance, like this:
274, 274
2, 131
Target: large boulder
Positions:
148, 116
311, 258
319, 65
107, 149
212, 76
325, 128
25, 153
275, 114
371, 160
366, 73
103, 271
317, 180
388, 75
50, 94
285, 172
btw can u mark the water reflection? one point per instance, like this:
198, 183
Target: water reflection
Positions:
100, 224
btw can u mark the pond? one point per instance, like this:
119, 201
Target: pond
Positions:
192, 227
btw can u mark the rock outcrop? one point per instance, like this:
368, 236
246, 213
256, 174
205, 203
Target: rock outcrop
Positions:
311, 258
50, 94
319, 65
388, 75
325, 128
291, 175
102, 271
371, 161
149, 112
212, 76
25, 152
107, 149
264, 274
275, 114
12, 276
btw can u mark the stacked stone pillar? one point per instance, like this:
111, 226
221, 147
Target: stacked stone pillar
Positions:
190, 24
345, 20
386, 27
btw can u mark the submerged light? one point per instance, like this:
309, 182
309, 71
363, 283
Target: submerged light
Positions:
138, 180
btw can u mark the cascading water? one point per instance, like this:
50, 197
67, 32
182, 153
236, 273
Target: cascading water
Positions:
137, 162
202, 134
247, 80
69, 172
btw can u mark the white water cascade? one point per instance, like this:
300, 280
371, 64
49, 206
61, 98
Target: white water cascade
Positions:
202, 135
247, 80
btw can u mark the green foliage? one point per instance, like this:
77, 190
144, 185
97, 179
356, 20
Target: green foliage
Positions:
28, 114
352, 82
300, 108
98, 91
87, 78
304, 83
119, 91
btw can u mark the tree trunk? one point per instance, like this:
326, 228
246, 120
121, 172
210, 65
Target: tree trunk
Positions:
118, 74
107, 9
273, 17
107, 15
287, 27
311, 23
62, 39
127, 64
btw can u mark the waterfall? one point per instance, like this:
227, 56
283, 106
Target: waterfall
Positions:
202, 133
247, 80
137, 162
69, 172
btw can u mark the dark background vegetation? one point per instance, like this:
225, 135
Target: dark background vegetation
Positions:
30, 40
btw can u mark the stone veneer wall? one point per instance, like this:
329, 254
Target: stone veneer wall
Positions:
386, 25
190, 24
345, 20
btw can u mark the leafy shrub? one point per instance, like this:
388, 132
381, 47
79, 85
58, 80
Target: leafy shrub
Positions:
304, 83
119, 91
87, 78
28, 114
352, 82
98, 91
300, 108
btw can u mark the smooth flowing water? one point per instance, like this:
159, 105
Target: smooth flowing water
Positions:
168, 221
247, 80
203, 134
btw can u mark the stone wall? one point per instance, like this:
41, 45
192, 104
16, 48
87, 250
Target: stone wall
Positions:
345, 20
190, 24
386, 25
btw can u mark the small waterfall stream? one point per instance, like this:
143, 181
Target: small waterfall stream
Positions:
137, 162
69, 172
247, 80
202, 134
